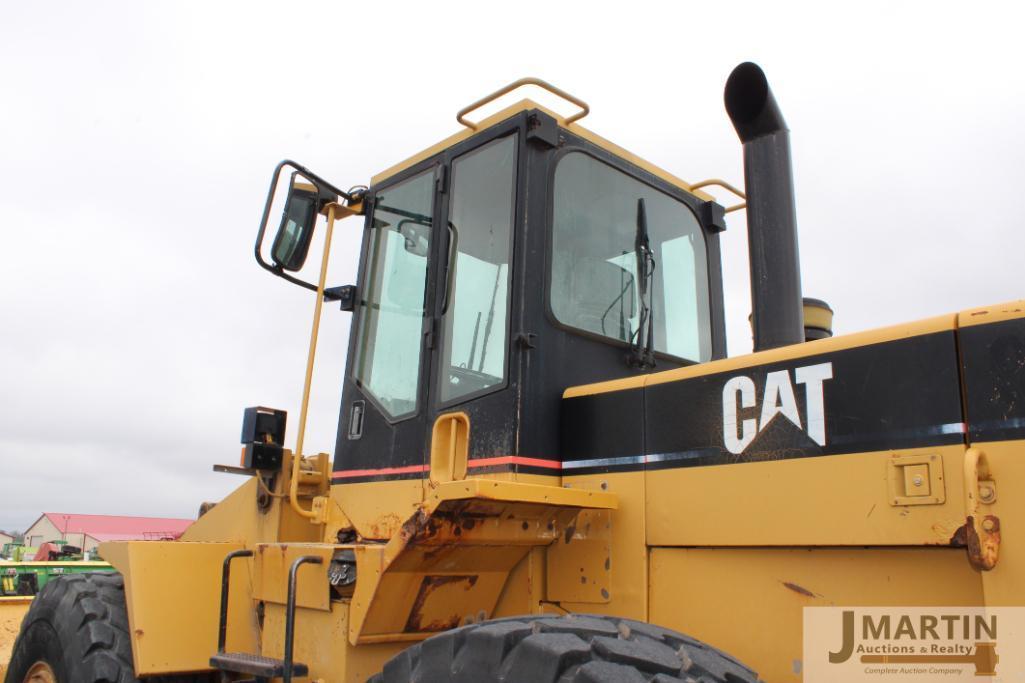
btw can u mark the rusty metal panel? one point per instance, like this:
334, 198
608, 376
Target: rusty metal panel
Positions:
431, 589
628, 568
579, 564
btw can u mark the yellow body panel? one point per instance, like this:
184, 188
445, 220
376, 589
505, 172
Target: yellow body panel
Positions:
173, 591
272, 563
749, 602
834, 500
992, 314
321, 642
12, 611
378, 509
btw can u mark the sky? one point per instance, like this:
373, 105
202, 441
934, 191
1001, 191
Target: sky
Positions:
138, 140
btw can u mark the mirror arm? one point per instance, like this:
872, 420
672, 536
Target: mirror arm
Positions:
258, 248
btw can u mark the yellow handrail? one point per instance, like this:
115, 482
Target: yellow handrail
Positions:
585, 109
297, 456
726, 186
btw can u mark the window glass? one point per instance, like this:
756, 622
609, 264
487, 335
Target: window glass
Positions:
594, 279
477, 304
391, 307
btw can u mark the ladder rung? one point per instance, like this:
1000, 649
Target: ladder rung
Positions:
257, 665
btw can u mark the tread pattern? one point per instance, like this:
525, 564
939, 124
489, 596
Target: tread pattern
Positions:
79, 624
575, 648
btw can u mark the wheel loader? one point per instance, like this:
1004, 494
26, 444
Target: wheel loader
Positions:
548, 469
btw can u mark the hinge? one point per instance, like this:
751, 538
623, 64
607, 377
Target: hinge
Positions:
441, 179
525, 340
368, 210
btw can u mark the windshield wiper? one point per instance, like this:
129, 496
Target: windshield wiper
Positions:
642, 354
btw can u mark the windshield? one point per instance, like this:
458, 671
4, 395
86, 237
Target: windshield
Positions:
594, 277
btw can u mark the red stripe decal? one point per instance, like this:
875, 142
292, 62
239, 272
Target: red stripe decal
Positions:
516, 460
386, 470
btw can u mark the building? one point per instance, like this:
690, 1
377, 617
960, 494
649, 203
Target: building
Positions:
88, 531
5, 539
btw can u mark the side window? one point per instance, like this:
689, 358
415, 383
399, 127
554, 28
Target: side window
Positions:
391, 309
594, 277
476, 311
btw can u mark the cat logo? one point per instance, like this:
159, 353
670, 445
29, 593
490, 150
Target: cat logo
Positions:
739, 393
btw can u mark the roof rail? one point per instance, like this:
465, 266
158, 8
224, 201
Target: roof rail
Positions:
585, 109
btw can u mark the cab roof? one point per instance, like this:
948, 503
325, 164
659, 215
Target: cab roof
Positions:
575, 128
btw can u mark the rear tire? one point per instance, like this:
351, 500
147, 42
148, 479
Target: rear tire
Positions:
78, 625
575, 648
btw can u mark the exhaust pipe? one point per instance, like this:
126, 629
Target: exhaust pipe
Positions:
778, 318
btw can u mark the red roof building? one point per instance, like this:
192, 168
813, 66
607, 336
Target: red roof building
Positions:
88, 531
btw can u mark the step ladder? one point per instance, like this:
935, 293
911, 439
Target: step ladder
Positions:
262, 668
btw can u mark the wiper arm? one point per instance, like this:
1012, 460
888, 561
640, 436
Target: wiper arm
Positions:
642, 352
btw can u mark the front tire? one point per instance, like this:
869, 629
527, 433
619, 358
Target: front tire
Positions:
563, 649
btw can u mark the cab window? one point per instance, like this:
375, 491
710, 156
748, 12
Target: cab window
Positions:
595, 285
476, 303
391, 312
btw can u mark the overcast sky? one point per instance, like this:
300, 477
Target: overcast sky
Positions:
138, 139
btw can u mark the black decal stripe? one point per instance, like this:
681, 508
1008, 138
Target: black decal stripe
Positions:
993, 361
602, 425
903, 393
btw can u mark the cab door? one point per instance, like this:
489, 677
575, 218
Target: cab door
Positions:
472, 369
379, 461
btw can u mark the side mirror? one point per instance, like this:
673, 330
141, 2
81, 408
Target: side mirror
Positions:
308, 195
292, 241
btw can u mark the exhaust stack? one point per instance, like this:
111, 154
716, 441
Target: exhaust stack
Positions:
777, 310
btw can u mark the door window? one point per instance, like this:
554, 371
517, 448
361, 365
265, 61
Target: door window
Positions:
476, 305
392, 305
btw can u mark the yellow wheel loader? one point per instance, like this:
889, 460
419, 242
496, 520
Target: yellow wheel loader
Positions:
548, 470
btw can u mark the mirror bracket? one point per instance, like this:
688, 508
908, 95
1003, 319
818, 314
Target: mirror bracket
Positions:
329, 196
344, 295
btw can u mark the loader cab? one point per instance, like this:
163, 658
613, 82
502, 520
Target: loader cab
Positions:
504, 265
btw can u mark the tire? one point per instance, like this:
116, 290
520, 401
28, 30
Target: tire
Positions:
575, 648
78, 625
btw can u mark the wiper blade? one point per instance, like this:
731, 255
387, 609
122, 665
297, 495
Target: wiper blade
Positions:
642, 352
